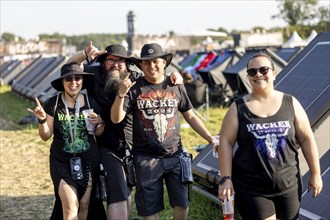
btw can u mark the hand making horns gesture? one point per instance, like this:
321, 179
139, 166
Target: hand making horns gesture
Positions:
125, 85
92, 52
38, 111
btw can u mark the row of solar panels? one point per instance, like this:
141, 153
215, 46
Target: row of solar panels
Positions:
228, 68
33, 80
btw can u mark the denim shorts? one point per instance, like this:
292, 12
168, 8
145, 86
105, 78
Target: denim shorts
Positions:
151, 173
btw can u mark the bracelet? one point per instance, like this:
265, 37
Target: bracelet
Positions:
223, 179
42, 121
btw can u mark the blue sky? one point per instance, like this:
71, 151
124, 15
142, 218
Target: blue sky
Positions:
30, 18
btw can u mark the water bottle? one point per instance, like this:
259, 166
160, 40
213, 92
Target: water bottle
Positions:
102, 185
228, 209
129, 168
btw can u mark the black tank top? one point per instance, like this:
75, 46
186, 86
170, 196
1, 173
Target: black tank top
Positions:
266, 162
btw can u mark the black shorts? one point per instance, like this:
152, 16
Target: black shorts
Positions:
150, 174
260, 207
116, 180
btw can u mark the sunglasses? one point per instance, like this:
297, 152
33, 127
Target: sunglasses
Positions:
71, 78
263, 70
112, 61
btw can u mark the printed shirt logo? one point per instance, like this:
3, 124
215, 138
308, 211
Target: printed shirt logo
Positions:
270, 137
158, 111
81, 142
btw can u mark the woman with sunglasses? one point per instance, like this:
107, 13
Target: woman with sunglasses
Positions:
74, 157
268, 127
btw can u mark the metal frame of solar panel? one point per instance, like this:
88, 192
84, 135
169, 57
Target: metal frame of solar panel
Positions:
205, 169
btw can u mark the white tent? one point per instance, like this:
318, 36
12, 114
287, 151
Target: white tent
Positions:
311, 37
202, 32
294, 41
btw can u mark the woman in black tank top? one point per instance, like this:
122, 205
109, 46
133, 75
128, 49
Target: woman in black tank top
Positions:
269, 127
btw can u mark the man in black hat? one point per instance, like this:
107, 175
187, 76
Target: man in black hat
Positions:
155, 103
111, 66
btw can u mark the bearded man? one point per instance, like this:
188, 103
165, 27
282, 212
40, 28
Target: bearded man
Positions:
110, 67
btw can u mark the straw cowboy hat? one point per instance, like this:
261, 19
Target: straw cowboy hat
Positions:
114, 49
150, 52
71, 69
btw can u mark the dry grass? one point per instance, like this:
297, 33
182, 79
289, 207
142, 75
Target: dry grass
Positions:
26, 190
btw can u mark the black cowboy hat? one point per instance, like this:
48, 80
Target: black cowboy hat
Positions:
114, 49
71, 69
152, 51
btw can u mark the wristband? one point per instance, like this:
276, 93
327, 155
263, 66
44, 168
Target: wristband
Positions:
42, 121
223, 179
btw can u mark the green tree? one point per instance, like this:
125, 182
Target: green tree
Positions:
301, 12
9, 37
324, 16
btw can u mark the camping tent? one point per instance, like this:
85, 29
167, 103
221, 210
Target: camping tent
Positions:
294, 41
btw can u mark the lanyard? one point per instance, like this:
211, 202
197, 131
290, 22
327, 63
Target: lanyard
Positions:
76, 115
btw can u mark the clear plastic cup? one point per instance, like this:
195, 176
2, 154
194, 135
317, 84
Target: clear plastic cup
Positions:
228, 209
89, 125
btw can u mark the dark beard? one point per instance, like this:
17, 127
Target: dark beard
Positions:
112, 83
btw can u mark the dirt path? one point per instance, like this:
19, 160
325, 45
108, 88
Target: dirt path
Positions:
26, 190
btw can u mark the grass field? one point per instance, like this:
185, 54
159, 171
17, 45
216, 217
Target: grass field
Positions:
26, 190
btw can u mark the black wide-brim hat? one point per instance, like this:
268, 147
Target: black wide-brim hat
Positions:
71, 69
150, 52
114, 49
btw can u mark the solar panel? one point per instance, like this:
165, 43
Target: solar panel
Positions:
287, 53
307, 77
311, 208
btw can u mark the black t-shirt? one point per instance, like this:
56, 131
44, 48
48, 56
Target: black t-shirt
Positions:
114, 135
266, 161
156, 122
62, 147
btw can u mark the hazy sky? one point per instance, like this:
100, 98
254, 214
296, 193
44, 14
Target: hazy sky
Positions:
30, 18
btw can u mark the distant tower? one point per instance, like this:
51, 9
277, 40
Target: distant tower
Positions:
130, 33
